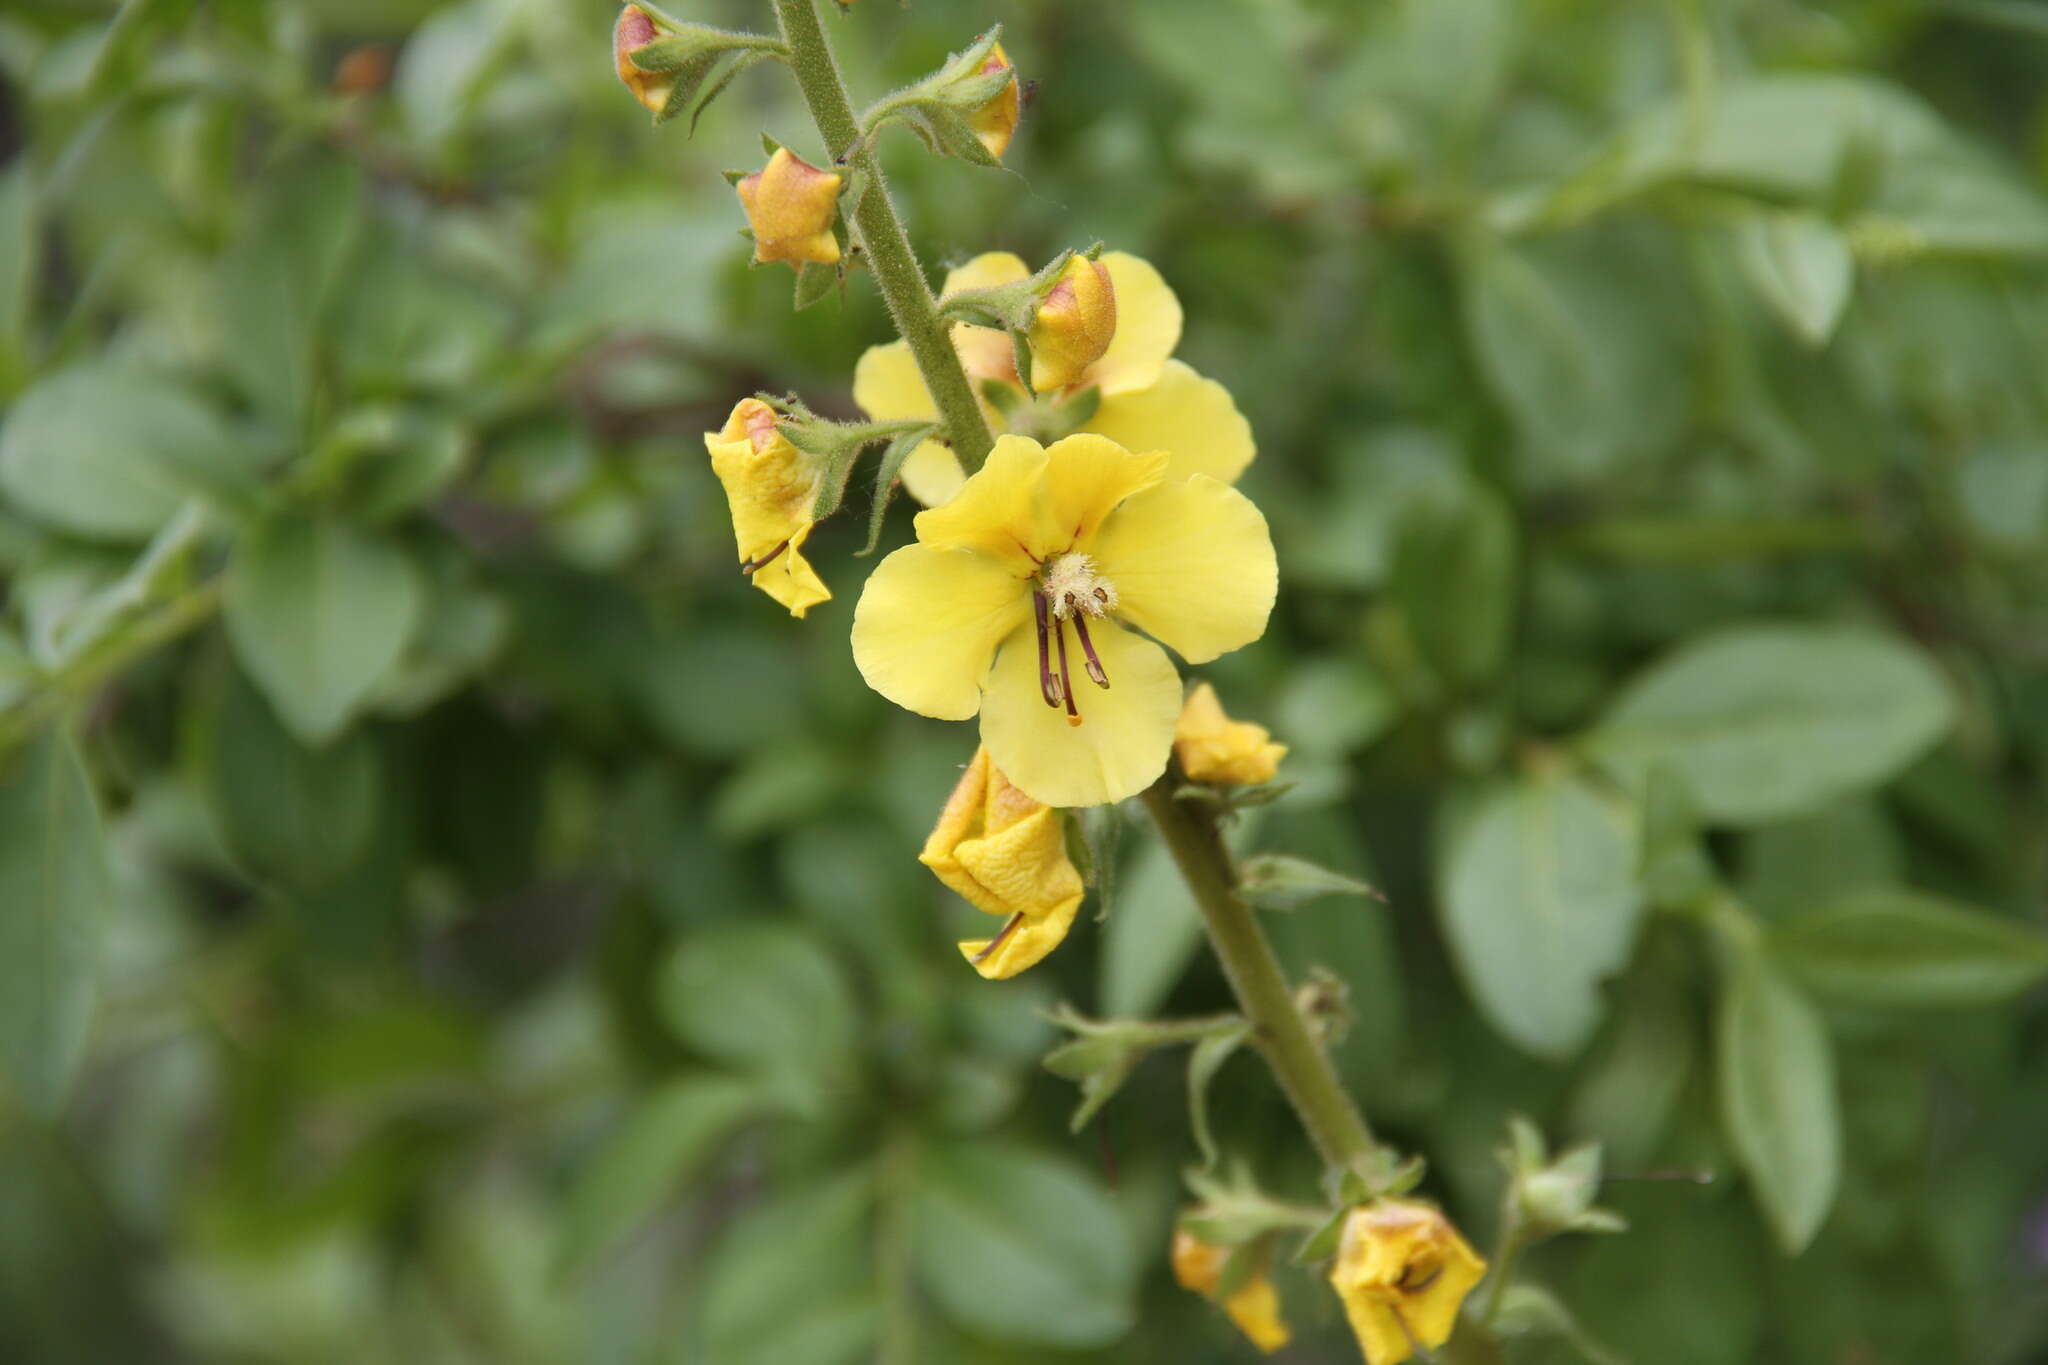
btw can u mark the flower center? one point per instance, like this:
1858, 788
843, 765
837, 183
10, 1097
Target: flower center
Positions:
1068, 590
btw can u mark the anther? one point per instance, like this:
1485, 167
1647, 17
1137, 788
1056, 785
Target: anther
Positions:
750, 565
1095, 669
1048, 685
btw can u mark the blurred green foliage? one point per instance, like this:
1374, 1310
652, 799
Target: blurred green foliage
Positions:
445, 914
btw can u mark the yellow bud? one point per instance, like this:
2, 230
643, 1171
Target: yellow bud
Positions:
1214, 748
770, 487
1073, 326
995, 123
1008, 855
635, 29
1402, 1271
791, 206
1253, 1306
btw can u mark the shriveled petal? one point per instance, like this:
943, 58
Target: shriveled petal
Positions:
1193, 566
888, 387
1147, 327
997, 510
1086, 478
928, 622
1126, 729
1024, 946
1192, 418
932, 473
790, 579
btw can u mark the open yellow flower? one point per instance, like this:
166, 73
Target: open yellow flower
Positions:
770, 487
1254, 1305
1007, 853
1149, 400
1402, 1271
791, 206
1017, 598
1214, 748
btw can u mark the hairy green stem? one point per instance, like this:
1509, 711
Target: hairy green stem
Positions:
881, 234
1297, 1059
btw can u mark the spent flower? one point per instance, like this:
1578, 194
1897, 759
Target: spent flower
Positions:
1214, 748
1402, 1271
1254, 1305
1022, 598
1007, 854
995, 123
636, 28
771, 488
791, 206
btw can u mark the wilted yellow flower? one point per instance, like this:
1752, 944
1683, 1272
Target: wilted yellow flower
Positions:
770, 487
635, 29
1074, 325
1007, 854
1149, 401
1015, 600
791, 206
1254, 1305
1402, 1270
995, 123
1214, 748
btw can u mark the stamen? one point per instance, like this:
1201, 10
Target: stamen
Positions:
750, 565
1095, 669
1048, 685
1059, 631
1001, 934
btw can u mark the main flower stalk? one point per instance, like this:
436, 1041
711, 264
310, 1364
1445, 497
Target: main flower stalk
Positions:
1298, 1061
881, 234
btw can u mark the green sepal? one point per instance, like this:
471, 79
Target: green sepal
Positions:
1205, 1058
1322, 1244
704, 61
886, 471
814, 282
1276, 881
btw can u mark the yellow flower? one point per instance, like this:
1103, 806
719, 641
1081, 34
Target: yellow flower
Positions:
996, 122
770, 487
791, 205
1214, 748
1015, 603
1074, 325
1402, 1270
1007, 854
1149, 400
1254, 1305
635, 29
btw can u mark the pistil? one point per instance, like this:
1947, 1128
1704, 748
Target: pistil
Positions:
1048, 685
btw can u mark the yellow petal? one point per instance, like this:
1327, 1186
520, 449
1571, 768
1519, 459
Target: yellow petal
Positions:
1086, 478
932, 473
887, 386
928, 622
986, 271
1193, 566
1192, 418
1214, 748
997, 510
790, 579
1255, 1308
1147, 327
1024, 946
1126, 729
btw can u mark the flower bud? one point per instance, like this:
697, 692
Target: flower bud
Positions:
1074, 324
1214, 748
636, 29
770, 487
1402, 1270
1253, 1306
995, 123
791, 206
1007, 854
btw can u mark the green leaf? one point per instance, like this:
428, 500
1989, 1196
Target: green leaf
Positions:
319, 613
288, 814
1777, 1090
1151, 938
1276, 881
765, 998
1896, 947
671, 1133
55, 889
1453, 576
1021, 1247
1537, 892
1769, 721
1205, 1058
102, 451
20, 258
794, 1282
1801, 266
